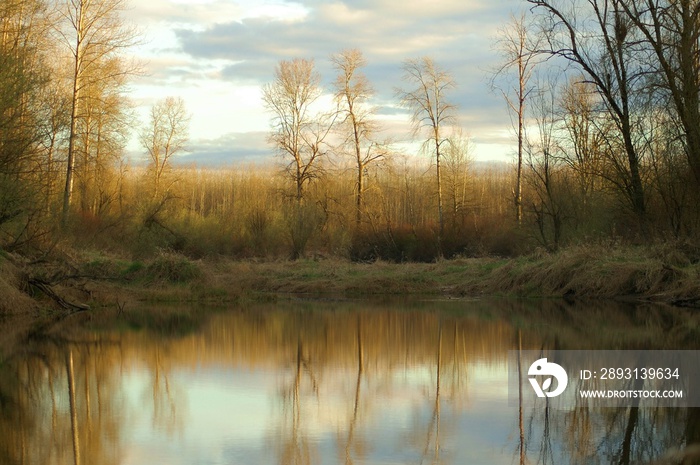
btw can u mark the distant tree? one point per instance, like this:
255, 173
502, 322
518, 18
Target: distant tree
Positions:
297, 132
352, 91
104, 129
518, 47
544, 162
458, 159
299, 135
431, 112
165, 136
584, 141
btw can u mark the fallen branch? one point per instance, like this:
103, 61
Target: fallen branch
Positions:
47, 290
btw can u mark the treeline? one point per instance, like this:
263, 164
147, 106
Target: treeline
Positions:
249, 213
605, 130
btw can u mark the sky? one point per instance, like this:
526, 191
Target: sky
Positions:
217, 55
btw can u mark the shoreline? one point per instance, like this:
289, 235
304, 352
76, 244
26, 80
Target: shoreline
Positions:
643, 274
171, 290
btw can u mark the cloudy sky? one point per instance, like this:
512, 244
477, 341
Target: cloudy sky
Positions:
216, 55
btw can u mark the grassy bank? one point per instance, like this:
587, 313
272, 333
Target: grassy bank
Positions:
668, 274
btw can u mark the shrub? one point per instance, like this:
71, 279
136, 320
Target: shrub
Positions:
171, 268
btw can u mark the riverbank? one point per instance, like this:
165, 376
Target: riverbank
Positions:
668, 274
52, 295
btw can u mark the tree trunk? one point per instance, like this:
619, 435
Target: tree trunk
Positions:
521, 129
70, 164
359, 195
441, 221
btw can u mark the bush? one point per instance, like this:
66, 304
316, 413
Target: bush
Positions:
171, 268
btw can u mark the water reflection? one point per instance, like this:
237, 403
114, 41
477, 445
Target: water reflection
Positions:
333, 383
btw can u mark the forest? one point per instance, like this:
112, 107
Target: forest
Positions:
604, 98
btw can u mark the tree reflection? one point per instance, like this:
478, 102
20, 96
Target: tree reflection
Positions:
350, 440
167, 416
66, 400
295, 444
73, 410
435, 417
620, 436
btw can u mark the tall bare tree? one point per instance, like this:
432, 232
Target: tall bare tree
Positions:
103, 129
543, 161
672, 30
585, 137
598, 38
165, 136
297, 133
431, 112
352, 91
518, 47
93, 31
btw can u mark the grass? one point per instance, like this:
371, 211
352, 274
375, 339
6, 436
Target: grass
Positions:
666, 274
579, 272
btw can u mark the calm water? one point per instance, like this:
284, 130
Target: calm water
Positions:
331, 383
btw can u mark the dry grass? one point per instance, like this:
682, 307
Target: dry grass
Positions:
598, 272
669, 275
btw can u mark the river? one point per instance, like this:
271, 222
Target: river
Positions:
331, 382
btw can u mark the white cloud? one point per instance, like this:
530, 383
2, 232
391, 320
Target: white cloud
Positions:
216, 54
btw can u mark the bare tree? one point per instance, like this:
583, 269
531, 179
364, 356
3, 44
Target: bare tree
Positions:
297, 133
431, 112
458, 160
672, 30
352, 90
598, 38
544, 174
166, 136
93, 31
518, 48
54, 110
103, 131
585, 139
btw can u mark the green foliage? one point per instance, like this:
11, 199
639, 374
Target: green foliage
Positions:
134, 268
103, 268
171, 268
